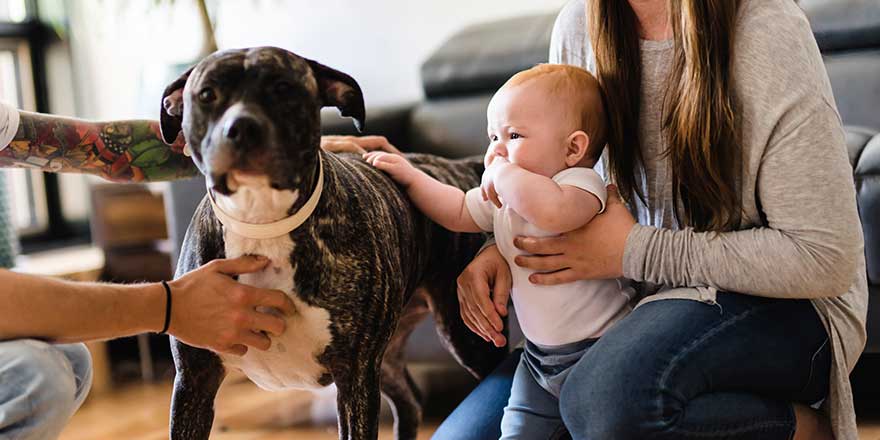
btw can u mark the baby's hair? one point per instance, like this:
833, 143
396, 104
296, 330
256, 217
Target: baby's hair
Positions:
581, 91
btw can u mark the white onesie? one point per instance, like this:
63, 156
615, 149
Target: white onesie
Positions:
561, 314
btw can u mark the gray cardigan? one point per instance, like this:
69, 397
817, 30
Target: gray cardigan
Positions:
796, 174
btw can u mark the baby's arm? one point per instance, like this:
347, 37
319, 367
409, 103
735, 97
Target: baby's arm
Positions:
543, 202
444, 204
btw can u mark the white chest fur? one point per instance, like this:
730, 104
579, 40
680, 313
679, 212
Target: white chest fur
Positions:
291, 362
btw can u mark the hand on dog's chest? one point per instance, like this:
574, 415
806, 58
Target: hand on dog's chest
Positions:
291, 361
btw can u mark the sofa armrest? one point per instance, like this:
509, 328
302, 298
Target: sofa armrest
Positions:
864, 149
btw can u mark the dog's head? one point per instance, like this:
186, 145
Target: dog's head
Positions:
256, 112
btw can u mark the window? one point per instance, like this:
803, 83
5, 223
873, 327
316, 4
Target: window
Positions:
40, 211
25, 187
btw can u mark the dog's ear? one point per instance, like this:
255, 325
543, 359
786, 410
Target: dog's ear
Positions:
341, 91
171, 113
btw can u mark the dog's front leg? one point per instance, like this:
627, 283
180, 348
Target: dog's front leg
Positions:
357, 402
199, 374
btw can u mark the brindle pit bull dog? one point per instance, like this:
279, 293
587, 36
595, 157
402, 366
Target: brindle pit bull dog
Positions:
360, 263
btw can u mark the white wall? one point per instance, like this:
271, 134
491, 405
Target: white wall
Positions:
121, 50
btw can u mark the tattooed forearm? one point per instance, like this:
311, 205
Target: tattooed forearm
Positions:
124, 151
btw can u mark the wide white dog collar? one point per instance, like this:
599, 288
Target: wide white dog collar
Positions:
262, 231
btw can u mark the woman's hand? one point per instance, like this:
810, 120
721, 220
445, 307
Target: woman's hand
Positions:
211, 310
357, 144
395, 165
592, 252
480, 309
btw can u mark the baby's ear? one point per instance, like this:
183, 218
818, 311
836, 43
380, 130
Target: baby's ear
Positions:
576, 148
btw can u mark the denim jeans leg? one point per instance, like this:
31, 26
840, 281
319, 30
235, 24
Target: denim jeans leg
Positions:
532, 413
478, 416
682, 369
41, 386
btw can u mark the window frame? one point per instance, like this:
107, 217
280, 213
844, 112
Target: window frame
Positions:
34, 37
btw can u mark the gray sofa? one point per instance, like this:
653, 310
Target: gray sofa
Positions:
460, 77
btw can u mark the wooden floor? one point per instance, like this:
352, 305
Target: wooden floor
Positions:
244, 412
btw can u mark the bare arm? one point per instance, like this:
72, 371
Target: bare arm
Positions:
444, 204
209, 308
543, 202
123, 151
66, 311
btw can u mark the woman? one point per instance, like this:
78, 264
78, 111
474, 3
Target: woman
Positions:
728, 148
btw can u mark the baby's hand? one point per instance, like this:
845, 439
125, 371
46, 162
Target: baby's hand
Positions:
394, 164
487, 186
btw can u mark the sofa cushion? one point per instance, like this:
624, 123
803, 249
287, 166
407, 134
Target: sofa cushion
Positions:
483, 56
845, 24
450, 127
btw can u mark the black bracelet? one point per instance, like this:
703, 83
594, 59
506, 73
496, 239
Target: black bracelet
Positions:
167, 308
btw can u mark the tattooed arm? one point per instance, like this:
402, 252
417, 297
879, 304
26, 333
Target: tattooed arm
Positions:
122, 151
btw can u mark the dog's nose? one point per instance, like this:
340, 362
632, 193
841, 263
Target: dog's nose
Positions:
242, 130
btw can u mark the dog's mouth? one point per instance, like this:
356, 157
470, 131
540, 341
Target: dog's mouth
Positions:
235, 179
231, 181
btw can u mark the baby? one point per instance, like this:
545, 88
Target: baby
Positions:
546, 129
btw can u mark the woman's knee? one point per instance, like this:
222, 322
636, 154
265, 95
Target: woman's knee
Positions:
613, 392
597, 402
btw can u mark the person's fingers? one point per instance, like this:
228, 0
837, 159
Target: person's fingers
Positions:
467, 289
501, 291
493, 196
499, 340
543, 263
377, 142
483, 193
370, 142
257, 340
487, 309
265, 322
540, 245
553, 278
478, 319
240, 265
468, 318
469, 321
341, 146
385, 165
237, 350
275, 299
370, 157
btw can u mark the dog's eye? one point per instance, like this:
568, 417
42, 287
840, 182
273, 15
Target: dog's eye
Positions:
207, 95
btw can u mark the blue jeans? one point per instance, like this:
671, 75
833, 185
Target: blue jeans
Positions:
680, 369
532, 412
41, 386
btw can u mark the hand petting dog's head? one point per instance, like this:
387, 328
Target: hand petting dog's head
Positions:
256, 113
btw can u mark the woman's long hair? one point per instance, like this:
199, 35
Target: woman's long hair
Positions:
698, 110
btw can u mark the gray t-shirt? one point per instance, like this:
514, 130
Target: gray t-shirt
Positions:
800, 236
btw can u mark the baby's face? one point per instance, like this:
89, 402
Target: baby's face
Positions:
527, 128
